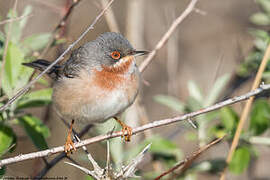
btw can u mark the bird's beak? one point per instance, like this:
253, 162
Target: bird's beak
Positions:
139, 53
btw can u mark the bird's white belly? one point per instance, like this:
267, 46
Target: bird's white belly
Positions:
106, 107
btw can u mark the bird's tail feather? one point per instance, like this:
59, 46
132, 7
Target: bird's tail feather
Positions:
42, 64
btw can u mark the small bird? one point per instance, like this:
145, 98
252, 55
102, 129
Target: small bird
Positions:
98, 82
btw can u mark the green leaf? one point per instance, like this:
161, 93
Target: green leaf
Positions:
265, 4
229, 118
15, 30
170, 102
219, 85
35, 42
2, 171
36, 130
35, 98
17, 26
195, 91
258, 33
88, 178
260, 19
160, 147
164, 147
23, 78
260, 117
2, 37
240, 160
14, 59
193, 104
7, 137
27, 10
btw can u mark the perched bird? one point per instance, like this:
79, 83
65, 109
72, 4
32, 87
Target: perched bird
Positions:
98, 82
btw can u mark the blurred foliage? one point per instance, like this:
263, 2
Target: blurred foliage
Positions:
214, 124
13, 77
227, 118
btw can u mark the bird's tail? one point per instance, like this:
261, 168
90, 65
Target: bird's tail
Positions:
42, 64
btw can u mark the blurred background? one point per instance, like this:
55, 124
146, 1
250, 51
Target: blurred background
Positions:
212, 55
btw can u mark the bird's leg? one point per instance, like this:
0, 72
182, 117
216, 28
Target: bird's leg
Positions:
69, 145
125, 129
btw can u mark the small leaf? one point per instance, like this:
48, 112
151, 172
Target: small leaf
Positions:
260, 117
217, 88
2, 171
7, 137
14, 59
265, 4
240, 160
35, 98
36, 130
88, 178
195, 91
260, 19
164, 147
15, 30
229, 118
170, 102
35, 42
17, 26
27, 10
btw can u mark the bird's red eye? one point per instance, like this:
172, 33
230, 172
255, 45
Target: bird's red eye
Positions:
115, 55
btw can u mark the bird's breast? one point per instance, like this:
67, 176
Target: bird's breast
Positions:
98, 97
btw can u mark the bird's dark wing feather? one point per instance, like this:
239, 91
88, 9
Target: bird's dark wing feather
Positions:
75, 62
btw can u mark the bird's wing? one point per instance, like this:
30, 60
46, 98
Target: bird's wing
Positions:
75, 62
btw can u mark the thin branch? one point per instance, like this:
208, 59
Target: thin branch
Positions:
62, 23
16, 19
188, 161
110, 17
58, 158
154, 124
26, 87
167, 35
246, 110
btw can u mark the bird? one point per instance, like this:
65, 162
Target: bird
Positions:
99, 81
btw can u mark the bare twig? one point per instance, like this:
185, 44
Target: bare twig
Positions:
188, 161
166, 36
246, 110
110, 18
26, 87
7, 42
58, 158
154, 124
16, 19
62, 23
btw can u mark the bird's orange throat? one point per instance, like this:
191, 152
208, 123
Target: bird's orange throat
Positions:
111, 77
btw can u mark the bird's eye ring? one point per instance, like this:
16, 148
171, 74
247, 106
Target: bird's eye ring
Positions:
115, 55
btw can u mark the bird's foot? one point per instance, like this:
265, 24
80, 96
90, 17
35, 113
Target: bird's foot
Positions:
69, 145
126, 130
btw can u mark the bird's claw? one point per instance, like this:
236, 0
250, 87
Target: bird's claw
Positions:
126, 132
69, 145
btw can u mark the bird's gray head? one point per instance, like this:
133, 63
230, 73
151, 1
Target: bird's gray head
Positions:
109, 48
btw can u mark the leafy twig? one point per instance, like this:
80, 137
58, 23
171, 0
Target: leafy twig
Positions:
247, 108
26, 87
154, 124
16, 19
